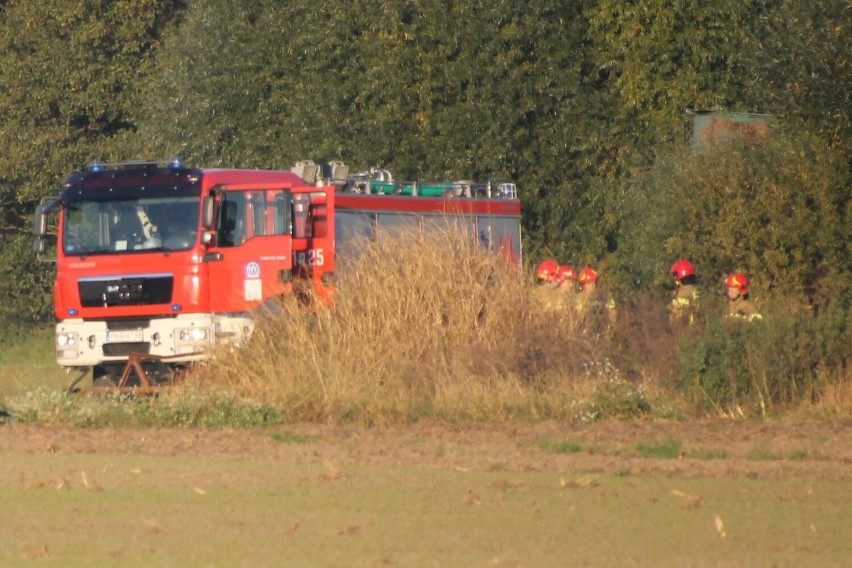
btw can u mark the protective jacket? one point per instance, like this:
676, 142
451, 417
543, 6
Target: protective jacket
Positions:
684, 304
597, 311
550, 297
743, 308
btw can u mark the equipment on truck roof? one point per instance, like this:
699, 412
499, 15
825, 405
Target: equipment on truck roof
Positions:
379, 181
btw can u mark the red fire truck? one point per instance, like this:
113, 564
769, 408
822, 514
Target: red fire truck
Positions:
156, 262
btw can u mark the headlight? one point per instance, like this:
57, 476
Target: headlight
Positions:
66, 339
194, 334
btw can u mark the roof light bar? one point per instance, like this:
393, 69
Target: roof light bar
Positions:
174, 164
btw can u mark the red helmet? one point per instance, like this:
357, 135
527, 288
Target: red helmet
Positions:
681, 269
547, 270
737, 280
565, 272
587, 275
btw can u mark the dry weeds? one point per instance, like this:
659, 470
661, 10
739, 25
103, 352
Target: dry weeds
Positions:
425, 325
429, 326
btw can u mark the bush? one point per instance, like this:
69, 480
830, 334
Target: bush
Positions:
767, 365
26, 286
617, 398
778, 211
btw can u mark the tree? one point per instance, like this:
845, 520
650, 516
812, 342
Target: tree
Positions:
440, 90
778, 211
660, 58
67, 73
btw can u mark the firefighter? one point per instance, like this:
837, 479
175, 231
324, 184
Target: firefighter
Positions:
684, 304
739, 302
565, 273
566, 279
132, 228
546, 273
548, 287
596, 307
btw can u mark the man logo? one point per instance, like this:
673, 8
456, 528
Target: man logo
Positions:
252, 270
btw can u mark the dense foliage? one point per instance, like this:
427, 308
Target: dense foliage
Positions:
778, 211
69, 74
580, 101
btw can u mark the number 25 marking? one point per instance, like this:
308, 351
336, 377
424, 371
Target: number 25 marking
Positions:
313, 257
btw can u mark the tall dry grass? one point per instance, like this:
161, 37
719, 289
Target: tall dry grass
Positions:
430, 326
426, 325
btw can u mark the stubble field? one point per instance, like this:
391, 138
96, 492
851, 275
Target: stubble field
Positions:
702, 493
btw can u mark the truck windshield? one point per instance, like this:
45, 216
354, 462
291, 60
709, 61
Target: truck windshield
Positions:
119, 226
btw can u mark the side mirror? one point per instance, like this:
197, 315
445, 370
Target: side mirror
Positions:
40, 224
208, 215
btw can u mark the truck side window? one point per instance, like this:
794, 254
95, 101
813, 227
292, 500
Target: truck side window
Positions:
231, 226
283, 214
310, 216
301, 227
319, 220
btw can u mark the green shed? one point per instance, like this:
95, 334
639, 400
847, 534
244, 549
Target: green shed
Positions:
713, 126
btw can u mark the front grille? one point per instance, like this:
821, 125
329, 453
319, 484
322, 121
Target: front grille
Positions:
126, 291
125, 349
128, 323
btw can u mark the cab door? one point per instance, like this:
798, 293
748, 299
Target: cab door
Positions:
249, 258
313, 238
313, 243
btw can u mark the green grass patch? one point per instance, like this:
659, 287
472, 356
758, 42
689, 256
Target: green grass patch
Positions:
797, 455
707, 454
763, 454
184, 408
27, 362
665, 449
667, 410
560, 446
289, 438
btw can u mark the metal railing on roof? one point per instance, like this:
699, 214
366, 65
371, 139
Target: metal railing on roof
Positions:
379, 181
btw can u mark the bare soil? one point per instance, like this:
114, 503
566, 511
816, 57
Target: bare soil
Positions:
790, 449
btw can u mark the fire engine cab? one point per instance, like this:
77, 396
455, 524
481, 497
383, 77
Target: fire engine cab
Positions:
165, 260
156, 262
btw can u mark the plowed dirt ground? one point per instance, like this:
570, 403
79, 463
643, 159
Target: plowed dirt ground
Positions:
713, 448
